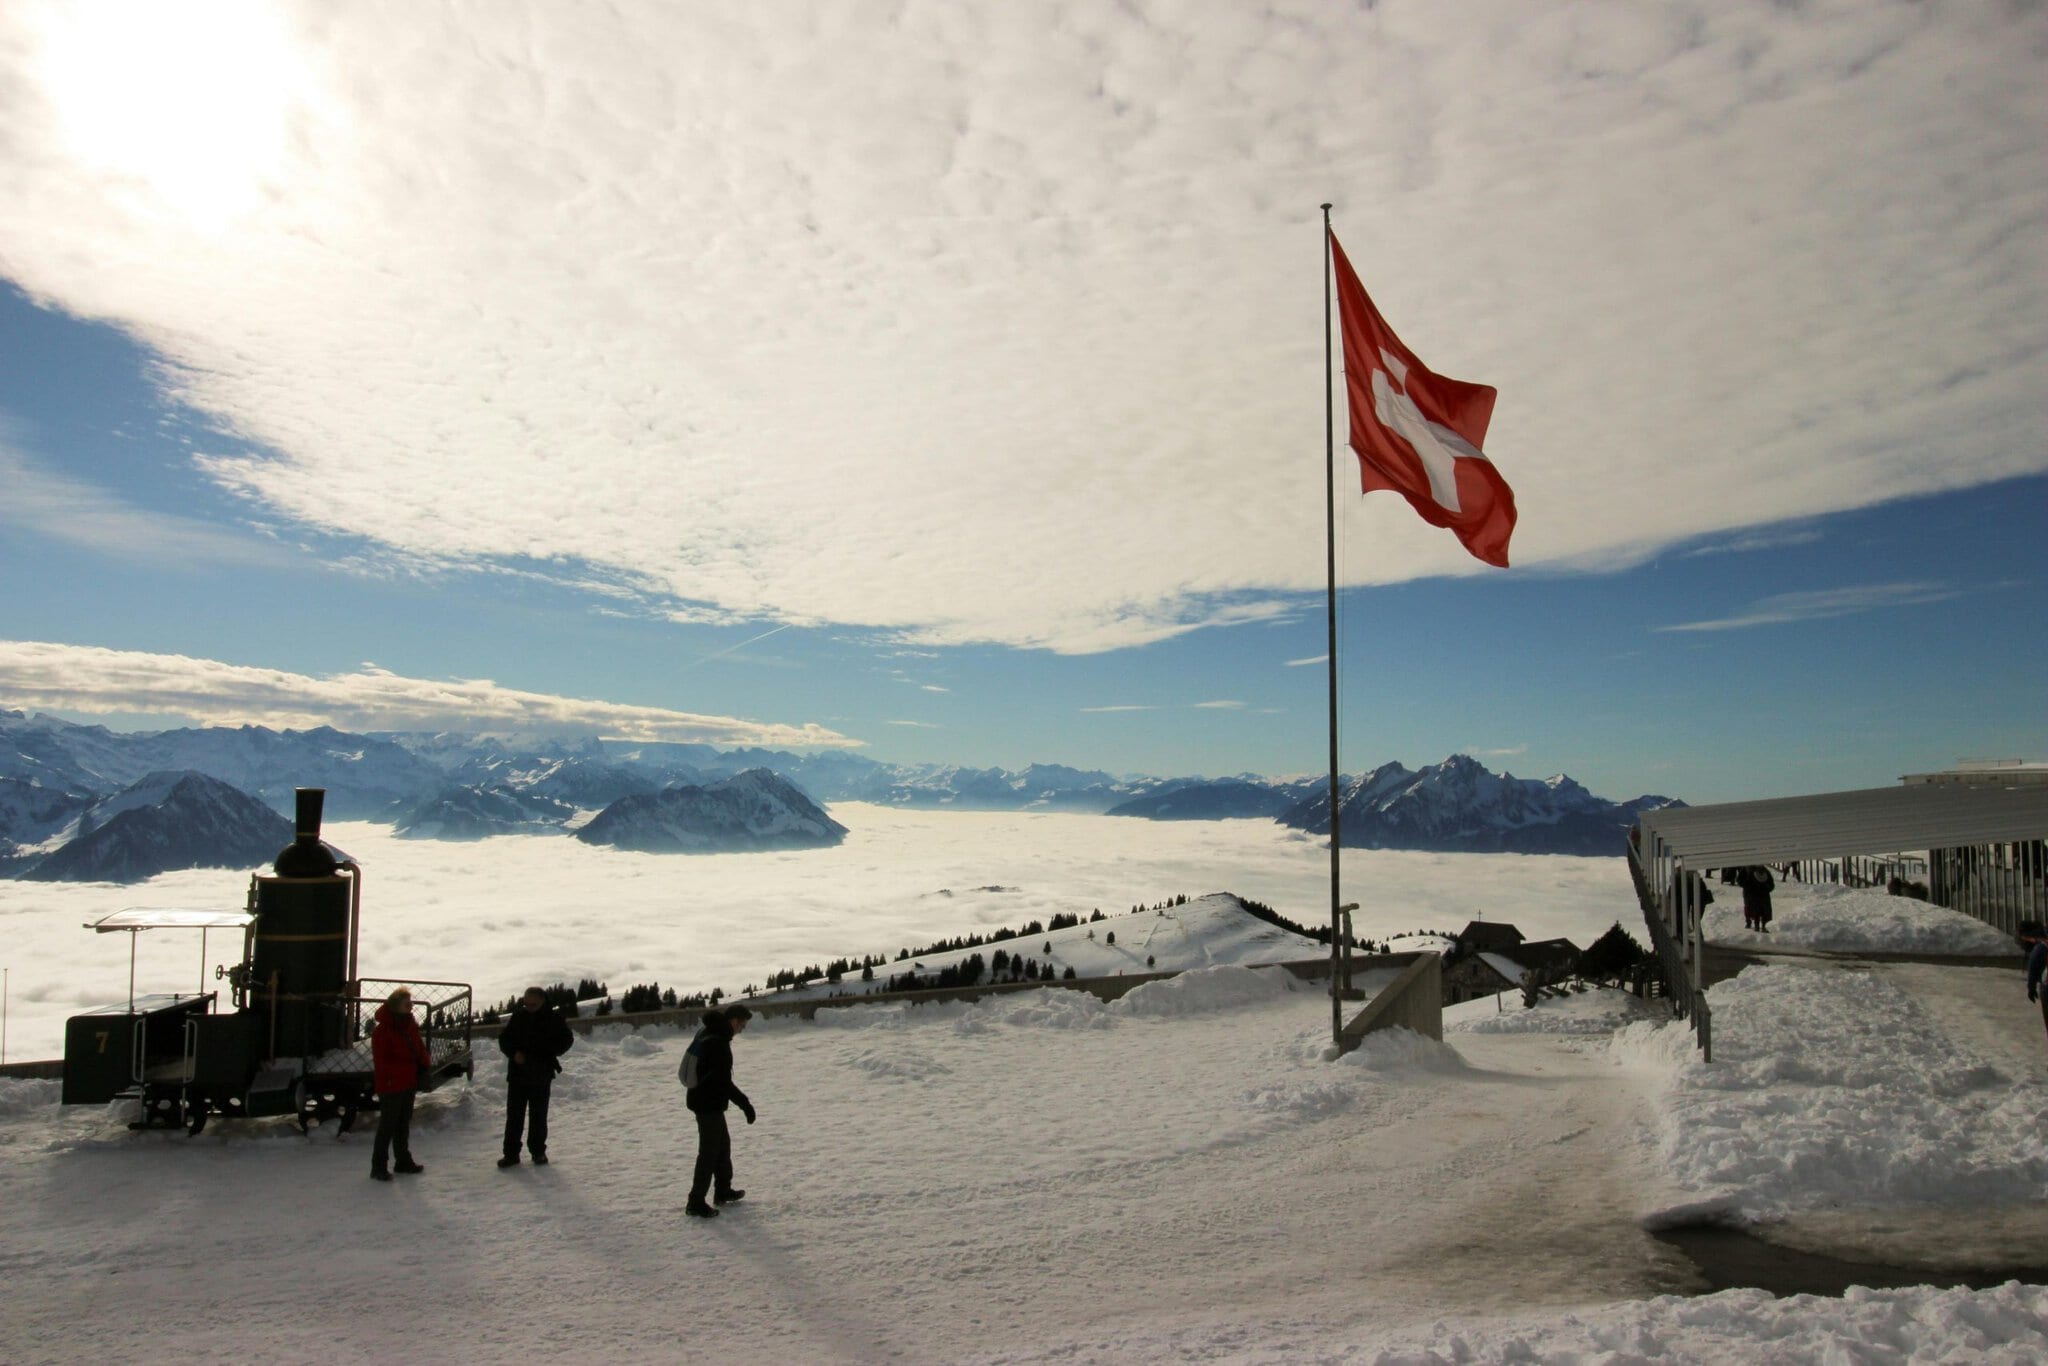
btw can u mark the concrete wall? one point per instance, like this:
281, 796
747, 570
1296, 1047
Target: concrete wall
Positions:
1415, 1001
53, 1067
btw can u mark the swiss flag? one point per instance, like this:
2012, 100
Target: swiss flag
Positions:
1417, 432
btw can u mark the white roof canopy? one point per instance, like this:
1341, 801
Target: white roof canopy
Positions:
171, 918
1881, 820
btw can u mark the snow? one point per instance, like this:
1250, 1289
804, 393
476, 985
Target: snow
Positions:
1835, 1088
1040, 1177
1204, 931
1827, 918
1597, 1010
1184, 1174
1507, 967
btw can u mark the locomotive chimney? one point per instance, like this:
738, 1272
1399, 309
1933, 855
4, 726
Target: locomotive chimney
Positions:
306, 856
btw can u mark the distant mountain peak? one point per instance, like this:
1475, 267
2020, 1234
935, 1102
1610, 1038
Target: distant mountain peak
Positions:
751, 810
1460, 806
163, 822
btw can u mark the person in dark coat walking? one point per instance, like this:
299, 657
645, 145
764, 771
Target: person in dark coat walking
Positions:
2035, 937
706, 1074
533, 1042
1756, 883
399, 1057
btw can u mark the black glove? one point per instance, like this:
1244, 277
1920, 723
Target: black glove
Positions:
2032, 993
750, 1114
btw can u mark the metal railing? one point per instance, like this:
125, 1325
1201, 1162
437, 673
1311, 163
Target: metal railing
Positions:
1674, 924
444, 1009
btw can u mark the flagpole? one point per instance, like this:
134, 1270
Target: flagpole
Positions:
1330, 612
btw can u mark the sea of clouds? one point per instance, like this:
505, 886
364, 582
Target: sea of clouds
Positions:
504, 912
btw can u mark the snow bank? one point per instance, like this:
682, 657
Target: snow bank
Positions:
1828, 918
1602, 1010
1835, 1087
634, 1046
1402, 1050
19, 1095
1205, 990
1998, 1327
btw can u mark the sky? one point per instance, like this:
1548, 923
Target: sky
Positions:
1184, 1174
945, 381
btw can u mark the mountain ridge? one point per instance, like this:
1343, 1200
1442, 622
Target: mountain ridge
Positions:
470, 785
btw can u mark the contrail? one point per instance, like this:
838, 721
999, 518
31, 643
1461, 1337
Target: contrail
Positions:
706, 659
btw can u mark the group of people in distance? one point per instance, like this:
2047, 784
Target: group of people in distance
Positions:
533, 1041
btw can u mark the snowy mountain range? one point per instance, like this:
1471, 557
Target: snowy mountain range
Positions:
757, 809
1459, 806
163, 822
449, 785
1204, 799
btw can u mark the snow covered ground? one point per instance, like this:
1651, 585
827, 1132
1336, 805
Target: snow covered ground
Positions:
1185, 1174
1201, 932
1826, 918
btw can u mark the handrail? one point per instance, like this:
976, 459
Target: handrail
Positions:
1668, 938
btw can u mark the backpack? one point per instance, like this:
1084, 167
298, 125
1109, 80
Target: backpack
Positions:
688, 1071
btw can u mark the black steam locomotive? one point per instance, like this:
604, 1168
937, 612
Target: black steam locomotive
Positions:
297, 1039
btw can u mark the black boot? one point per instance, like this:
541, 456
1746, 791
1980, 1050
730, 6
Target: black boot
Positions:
379, 1174
697, 1209
729, 1197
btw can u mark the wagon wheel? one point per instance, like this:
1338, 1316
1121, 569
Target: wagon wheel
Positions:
161, 1110
315, 1106
348, 1107
195, 1120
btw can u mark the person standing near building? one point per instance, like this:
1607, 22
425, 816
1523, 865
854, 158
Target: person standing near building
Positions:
533, 1042
400, 1062
2035, 937
706, 1074
1756, 883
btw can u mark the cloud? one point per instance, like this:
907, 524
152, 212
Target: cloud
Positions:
1222, 704
90, 679
73, 510
1828, 602
1009, 329
915, 725
1770, 538
1310, 659
1124, 706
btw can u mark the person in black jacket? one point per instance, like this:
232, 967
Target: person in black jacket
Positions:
533, 1042
706, 1075
1756, 883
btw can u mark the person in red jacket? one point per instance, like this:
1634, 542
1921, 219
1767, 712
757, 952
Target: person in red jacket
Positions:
399, 1055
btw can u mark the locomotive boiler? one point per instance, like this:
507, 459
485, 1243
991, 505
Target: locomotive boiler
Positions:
296, 1038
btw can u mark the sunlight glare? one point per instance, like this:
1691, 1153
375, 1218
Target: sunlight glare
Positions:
189, 104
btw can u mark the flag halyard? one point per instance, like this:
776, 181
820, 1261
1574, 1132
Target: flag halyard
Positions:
1420, 434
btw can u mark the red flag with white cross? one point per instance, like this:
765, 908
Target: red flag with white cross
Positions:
1417, 432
